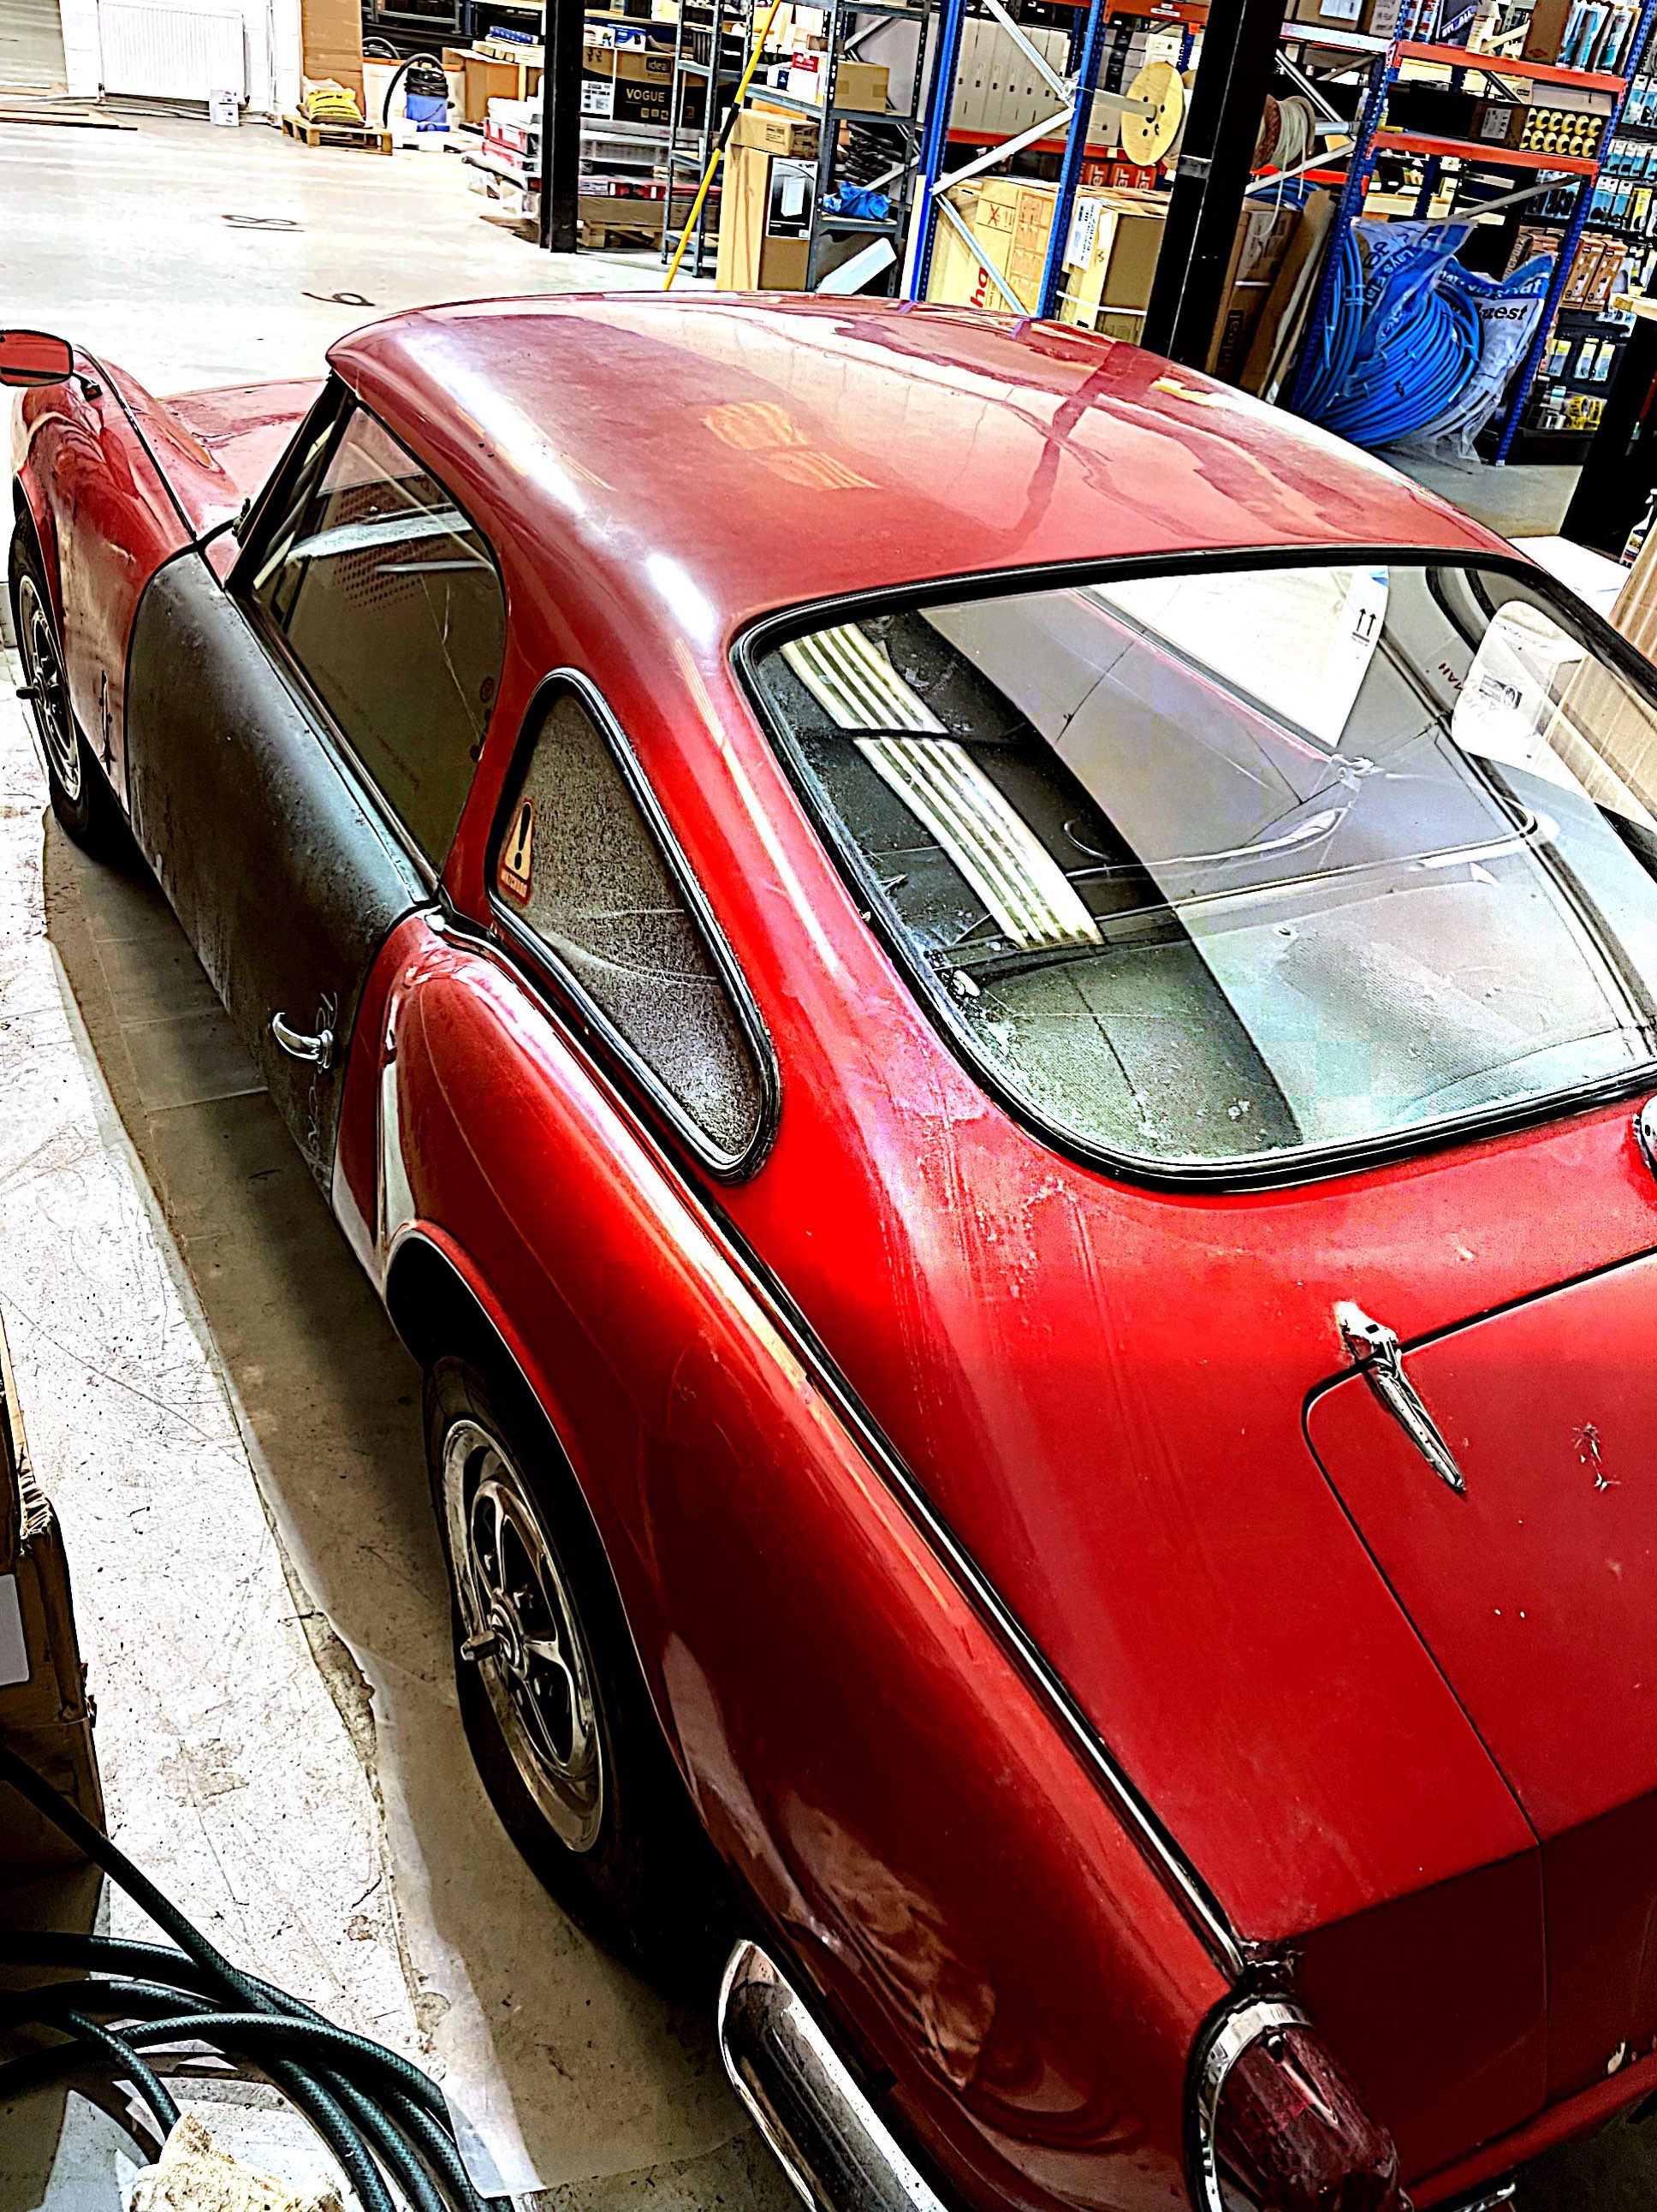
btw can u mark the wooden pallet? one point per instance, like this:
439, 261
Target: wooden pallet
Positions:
362, 136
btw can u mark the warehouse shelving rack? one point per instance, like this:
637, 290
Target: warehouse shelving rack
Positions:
901, 127
690, 151
1066, 127
1340, 52
710, 45
1370, 140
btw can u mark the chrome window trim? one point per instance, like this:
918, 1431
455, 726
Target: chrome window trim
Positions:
528, 945
274, 500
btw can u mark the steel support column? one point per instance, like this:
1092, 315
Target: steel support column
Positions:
1075, 146
934, 145
560, 127
1240, 51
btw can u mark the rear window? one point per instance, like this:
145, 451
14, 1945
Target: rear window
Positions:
1252, 864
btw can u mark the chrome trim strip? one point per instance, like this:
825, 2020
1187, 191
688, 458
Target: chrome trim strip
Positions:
1245, 2024
822, 2131
1375, 1351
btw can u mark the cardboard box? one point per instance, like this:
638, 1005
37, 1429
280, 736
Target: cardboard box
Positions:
486, 79
1264, 232
1378, 18
330, 34
1546, 32
1277, 334
763, 218
857, 84
762, 247
1499, 121
44, 1714
1110, 257
771, 131
635, 84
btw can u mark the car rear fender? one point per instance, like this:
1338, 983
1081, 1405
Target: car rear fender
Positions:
961, 1894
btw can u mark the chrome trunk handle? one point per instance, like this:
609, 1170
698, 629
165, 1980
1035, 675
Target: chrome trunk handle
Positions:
318, 1050
1375, 1351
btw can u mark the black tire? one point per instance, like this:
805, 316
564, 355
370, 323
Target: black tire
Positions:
624, 1855
81, 795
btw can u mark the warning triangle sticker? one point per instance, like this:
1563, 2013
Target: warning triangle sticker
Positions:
516, 867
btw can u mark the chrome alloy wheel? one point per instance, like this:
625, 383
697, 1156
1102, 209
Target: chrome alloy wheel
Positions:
42, 671
523, 1633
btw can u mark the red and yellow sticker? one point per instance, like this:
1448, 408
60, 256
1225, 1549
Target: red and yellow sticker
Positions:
515, 870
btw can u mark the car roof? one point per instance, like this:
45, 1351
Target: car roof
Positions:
746, 454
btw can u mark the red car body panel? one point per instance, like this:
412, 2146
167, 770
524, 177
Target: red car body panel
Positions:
106, 519
935, 1898
1537, 1593
1102, 1388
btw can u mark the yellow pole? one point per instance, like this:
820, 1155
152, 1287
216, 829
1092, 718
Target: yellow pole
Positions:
717, 153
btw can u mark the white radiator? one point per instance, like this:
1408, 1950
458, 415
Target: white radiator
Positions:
160, 53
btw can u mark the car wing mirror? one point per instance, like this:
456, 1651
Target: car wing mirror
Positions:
34, 357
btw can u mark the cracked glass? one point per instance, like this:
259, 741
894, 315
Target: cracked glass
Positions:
1255, 860
390, 603
580, 866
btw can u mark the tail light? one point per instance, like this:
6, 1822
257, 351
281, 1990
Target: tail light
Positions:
1278, 2127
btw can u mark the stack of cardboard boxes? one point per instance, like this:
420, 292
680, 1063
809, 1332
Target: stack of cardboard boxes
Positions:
1110, 260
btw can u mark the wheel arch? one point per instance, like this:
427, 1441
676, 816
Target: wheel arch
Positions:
434, 1308
31, 511
437, 1307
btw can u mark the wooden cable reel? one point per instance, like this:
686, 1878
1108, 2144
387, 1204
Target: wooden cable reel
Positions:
1147, 139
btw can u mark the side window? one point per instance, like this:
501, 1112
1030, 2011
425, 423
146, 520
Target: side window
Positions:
581, 867
392, 605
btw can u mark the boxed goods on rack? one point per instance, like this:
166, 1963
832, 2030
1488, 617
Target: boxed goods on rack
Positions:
631, 84
857, 84
1111, 251
764, 220
1377, 18
1110, 260
1585, 34
998, 88
771, 131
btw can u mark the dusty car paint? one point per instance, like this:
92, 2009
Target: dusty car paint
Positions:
1098, 1389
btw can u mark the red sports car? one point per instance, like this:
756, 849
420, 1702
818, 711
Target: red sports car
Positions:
982, 1009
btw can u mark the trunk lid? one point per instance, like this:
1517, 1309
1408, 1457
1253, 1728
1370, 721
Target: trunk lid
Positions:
1535, 1590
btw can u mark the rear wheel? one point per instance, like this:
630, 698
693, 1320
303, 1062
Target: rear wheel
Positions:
81, 796
560, 1721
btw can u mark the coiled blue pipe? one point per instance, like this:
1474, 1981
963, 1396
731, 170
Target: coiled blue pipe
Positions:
1372, 391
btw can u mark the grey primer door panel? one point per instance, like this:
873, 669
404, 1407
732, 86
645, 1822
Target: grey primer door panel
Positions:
285, 881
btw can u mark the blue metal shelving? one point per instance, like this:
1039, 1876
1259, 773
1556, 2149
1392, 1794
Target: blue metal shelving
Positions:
1360, 168
933, 183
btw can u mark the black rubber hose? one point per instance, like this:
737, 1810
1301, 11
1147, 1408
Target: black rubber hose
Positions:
371, 2107
30, 1949
148, 2085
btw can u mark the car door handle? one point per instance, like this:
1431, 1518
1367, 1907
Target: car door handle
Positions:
318, 1050
1376, 1354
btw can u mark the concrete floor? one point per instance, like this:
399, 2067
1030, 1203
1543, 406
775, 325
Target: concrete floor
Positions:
214, 1398
31, 46
1521, 500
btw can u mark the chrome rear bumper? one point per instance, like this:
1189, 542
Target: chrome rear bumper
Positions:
831, 2142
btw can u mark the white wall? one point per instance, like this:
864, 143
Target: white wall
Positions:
272, 46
